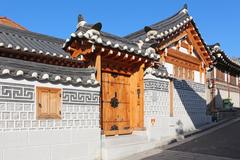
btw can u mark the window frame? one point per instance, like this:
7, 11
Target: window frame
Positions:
58, 108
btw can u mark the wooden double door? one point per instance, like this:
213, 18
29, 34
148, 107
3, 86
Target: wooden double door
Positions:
115, 103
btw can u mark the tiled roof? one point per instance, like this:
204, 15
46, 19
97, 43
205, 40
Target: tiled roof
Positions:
165, 27
23, 41
20, 69
158, 70
141, 42
8, 22
220, 58
30, 42
106, 39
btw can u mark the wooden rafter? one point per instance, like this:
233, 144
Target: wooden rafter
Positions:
197, 45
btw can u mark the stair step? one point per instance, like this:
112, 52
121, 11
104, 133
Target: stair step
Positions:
117, 147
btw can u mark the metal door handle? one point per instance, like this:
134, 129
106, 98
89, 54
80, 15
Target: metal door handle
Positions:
40, 105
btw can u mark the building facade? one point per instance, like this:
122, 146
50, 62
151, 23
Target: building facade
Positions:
68, 99
223, 80
49, 105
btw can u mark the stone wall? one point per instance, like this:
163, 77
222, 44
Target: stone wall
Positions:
190, 104
189, 107
222, 92
24, 137
156, 106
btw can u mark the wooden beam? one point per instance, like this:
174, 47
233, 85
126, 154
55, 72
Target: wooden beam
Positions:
98, 66
80, 51
179, 55
173, 40
171, 98
196, 46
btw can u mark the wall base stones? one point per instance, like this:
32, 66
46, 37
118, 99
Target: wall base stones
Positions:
25, 137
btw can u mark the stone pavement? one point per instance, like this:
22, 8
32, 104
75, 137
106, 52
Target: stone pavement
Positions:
218, 143
179, 155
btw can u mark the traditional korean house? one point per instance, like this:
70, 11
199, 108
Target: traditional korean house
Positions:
223, 80
69, 99
49, 103
153, 81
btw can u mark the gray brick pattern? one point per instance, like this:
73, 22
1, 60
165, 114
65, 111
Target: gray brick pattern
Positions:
152, 84
156, 101
16, 92
80, 97
189, 85
226, 87
21, 115
189, 103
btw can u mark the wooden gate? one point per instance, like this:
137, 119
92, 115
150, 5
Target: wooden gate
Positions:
115, 103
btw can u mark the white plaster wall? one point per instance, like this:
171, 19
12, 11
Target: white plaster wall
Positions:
220, 95
169, 68
184, 50
173, 47
225, 76
23, 137
197, 76
235, 99
203, 78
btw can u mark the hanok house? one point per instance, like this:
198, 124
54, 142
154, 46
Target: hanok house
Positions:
49, 103
223, 80
152, 81
151, 85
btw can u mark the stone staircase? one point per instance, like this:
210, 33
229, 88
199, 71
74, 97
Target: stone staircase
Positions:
118, 147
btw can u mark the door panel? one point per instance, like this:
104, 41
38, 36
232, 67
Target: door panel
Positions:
115, 119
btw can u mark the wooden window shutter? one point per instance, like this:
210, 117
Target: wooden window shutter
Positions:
48, 102
54, 103
42, 102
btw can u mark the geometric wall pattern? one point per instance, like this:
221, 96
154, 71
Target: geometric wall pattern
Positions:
80, 109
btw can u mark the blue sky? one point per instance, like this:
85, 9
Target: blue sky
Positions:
217, 20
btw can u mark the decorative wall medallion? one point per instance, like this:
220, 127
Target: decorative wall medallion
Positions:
114, 128
114, 102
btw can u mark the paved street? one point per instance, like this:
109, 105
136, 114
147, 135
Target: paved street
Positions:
221, 144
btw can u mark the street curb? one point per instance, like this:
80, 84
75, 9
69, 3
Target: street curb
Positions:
200, 132
189, 136
207, 127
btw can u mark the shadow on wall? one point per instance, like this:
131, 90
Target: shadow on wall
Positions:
217, 100
190, 107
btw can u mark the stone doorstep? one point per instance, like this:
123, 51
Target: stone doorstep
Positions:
118, 147
123, 140
121, 151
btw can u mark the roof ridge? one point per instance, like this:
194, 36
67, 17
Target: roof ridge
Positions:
9, 22
31, 34
182, 10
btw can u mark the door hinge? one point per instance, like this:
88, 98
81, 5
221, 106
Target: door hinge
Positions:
60, 112
60, 95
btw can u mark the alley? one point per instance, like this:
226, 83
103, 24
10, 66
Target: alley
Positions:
221, 144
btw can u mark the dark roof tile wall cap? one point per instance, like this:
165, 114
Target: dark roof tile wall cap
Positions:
20, 69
